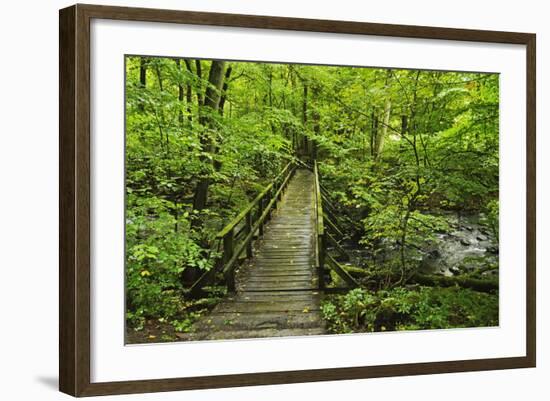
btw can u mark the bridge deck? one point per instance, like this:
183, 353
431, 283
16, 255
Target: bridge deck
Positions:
277, 288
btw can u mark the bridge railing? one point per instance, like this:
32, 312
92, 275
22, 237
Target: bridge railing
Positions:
237, 236
320, 228
328, 232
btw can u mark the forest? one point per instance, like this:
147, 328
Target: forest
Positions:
408, 161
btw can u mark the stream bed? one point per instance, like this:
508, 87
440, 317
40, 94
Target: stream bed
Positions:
467, 246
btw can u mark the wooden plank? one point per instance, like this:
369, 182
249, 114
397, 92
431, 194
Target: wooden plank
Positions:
282, 280
260, 272
268, 307
278, 258
284, 265
277, 286
261, 333
261, 261
218, 322
270, 295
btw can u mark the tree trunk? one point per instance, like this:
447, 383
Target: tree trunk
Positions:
316, 122
198, 66
142, 78
404, 127
159, 77
160, 112
304, 144
189, 92
211, 104
143, 71
217, 163
224, 89
373, 133
180, 93
381, 134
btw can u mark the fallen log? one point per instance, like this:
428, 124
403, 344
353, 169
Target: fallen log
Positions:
488, 285
482, 285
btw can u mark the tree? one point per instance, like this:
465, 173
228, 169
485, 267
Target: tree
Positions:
210, 106
398, 151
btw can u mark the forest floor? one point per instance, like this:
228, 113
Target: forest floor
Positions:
153, 332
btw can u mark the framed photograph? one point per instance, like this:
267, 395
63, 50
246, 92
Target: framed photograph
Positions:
249, 200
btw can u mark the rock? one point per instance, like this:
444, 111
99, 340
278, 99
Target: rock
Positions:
481, 238
465, 242
455, 270
493, 250
436, 254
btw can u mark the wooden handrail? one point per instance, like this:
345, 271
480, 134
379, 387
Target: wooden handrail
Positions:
262, 204
251, 205
320, 229
233, 223
323, 258
318, 201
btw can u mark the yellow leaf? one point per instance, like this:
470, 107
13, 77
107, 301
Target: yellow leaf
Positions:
145, 273
152, 337
306, 310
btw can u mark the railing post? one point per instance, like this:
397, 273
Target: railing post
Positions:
260, 213
272, 192
228, 247
248, 231
320, 229
321, 272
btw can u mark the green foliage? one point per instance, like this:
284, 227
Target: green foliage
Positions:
172, 143
491, 218
393, 146
410, 309
438, 152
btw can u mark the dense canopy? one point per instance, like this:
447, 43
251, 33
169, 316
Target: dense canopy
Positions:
401, 152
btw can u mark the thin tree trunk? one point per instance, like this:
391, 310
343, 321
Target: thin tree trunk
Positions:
161, 120
404, 127
381, 134
381, 137
180, 94
189, 92
373, 133
200, 99
316, 122
142, 79
304, 120
159, 77
143, 72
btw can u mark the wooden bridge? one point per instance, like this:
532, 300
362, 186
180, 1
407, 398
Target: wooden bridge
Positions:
277, 256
